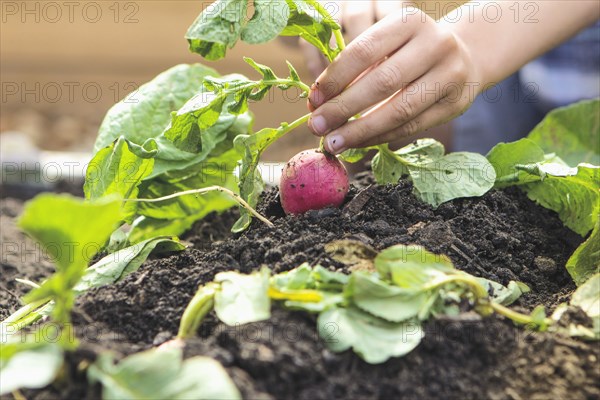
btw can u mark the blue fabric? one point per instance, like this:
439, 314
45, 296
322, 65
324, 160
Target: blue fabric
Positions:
508, 112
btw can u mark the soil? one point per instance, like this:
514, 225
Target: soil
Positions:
501, 236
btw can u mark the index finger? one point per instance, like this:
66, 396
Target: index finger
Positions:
371, 46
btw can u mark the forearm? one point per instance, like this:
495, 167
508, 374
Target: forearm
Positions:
503, 36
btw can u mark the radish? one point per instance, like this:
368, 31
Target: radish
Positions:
312, 180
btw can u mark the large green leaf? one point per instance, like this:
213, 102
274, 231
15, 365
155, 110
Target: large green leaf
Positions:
71, 231
32, 364
119, 169
504, 157
372, 338
113, 267
453, 176
243, 298
574, 193
572, 132
228, 95
145, 113
304, 21
224, 22
387, 166
162, 374
386, 301
217, 171
585, 261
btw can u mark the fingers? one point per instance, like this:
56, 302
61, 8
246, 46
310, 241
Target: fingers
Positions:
399, 115
393, 74
371, 46
358, 17
438, 114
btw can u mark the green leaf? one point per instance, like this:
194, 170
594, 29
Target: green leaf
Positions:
269, 19
119, 169
574, 193
304, 21
355, 155
587, 297
144, 228
585, 261
145, 112
383, 300
217, 28
162, 374
243, 298
505, 295
387, 166
228, 95
412, 266
69, 228
116, 266
421, 151
453, 176
250, 180
372, 338
71, 232
174, 217
32, 364
223, 23
504, 157
572, 132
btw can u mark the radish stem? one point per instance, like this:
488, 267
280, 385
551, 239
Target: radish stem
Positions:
208, 189
201, 304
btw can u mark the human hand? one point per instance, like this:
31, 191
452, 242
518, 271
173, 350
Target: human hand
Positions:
411, 72
354, 17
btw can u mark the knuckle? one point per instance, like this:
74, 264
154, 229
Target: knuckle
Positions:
410, 128
458, 71
338, 110
363, 48
446, 42
386, 79
402, 110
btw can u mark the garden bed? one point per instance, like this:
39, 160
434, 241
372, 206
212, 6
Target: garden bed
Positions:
501, 236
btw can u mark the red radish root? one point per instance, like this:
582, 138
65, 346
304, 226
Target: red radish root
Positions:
312, 180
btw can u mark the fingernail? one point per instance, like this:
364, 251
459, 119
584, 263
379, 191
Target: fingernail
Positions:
318, 125
315, 97
335, 144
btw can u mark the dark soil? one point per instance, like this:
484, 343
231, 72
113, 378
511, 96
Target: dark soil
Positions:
502, 236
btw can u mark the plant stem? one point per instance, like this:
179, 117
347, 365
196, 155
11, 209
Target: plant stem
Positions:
207, 189
301, 85
303, 295
293, 125
476, 287
515, 316
24, 311
200, 305
339, 39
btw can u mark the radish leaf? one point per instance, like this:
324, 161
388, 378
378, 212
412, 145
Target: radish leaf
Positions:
585, 261
372, 338
572, 132
243, 298
162, 374
119, 168
114, 267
